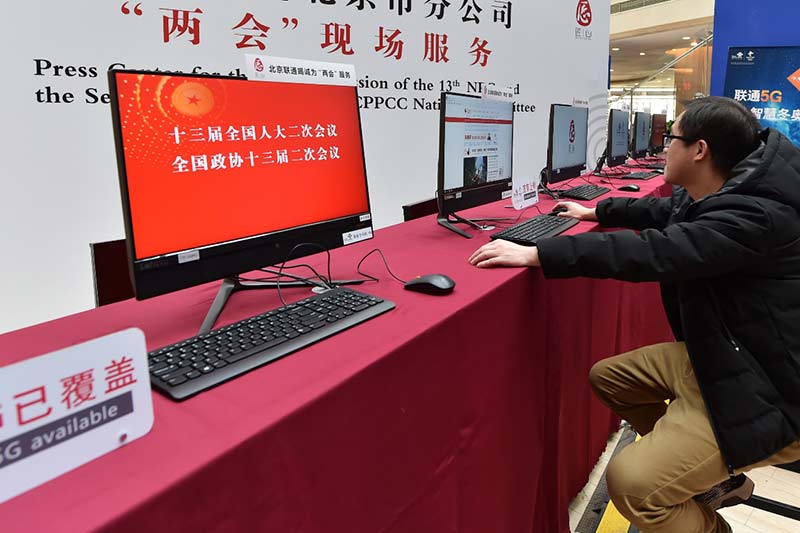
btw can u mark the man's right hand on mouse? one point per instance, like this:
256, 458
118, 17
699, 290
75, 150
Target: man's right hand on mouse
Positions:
576, 210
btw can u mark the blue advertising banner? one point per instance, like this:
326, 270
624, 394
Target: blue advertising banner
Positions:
767, 81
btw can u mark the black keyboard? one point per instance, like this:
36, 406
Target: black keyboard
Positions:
538, 227
655, 166
588, 191
640, 175
199, 363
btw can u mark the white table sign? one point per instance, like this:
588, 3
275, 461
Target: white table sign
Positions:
61, 410
524, 191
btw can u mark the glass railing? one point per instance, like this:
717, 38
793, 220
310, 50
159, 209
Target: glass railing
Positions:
668, 90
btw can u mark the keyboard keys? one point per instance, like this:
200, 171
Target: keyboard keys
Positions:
539, 227
641, 175
177, 370
588, 191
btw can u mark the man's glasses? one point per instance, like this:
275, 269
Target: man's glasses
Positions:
668, 139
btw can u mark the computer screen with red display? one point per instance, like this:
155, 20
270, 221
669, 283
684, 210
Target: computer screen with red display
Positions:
221, 175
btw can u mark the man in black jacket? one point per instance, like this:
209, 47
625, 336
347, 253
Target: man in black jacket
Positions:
726, 249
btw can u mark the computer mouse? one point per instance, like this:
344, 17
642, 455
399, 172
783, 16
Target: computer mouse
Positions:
437, 284
629, 188
557, 210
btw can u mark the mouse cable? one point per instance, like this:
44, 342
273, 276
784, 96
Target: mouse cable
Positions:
521, 213
373, 278
325, 282
322, 280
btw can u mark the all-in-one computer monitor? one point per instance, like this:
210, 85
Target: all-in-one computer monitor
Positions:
566, 142
475, 149
617, 140
658, 130
221, 175
641, 134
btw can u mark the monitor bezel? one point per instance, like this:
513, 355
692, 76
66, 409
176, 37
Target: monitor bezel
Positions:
634, 137
162, 274
612, 161
657, 148
453, 200
567, 172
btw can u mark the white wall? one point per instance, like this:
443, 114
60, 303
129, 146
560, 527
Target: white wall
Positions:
58, 167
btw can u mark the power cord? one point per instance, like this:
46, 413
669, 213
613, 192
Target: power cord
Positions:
373, 278
325, 282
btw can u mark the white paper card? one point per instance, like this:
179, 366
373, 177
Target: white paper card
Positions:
497, 92
269, 68
358, 235
61, 410
524, 192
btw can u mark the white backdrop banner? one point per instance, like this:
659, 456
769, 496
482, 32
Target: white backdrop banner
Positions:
60, 184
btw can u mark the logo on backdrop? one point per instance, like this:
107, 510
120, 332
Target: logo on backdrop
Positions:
794, 79
259, 65
584, 13
571, 148
743, 58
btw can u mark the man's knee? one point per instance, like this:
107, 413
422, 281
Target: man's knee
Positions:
628, 485
599, 377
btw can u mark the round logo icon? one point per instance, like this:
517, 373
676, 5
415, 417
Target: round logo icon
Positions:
192, 99
584, 13
259, 65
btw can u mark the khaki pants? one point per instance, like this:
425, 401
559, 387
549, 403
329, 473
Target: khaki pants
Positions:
652, 481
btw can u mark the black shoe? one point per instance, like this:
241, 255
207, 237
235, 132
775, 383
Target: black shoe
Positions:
732, 491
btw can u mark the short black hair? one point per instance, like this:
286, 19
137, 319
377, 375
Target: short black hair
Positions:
729, 128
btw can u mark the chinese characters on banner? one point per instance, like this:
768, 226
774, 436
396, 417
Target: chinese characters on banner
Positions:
766, 80
252, 30
755, 98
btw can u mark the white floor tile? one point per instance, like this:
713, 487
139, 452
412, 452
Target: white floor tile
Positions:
771, 523
739, 513
787, 476
738, 527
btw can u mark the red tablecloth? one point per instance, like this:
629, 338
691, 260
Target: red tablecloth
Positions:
465, 413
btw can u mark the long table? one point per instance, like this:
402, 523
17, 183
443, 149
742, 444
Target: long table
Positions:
465, 413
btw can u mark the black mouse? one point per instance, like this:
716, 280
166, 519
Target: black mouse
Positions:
557, 210
629, 188
437, 284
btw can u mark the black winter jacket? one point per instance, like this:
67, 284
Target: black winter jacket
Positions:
729, 267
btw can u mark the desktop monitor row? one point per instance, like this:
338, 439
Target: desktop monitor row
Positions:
646, 136
475, 147
220, 175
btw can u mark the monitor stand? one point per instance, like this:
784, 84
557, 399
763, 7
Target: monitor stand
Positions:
543, 188
234, 284
446, 222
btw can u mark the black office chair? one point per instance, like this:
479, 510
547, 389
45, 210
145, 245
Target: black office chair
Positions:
776, 507
112, 282
420, 209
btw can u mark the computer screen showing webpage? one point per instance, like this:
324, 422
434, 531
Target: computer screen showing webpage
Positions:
477, 141
642, 125
619, 133
570, 130
209, 160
